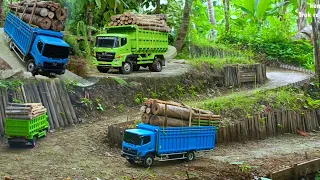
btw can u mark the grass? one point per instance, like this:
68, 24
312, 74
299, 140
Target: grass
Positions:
219, 63
245, 105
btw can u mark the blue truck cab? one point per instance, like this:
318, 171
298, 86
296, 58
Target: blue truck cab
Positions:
44, 51
147, 142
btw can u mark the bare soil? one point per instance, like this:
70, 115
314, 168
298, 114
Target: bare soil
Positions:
81, 152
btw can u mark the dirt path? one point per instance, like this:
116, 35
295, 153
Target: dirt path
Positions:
81, 152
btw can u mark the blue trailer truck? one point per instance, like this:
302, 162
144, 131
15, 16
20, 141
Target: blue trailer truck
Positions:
147, 142
44, 51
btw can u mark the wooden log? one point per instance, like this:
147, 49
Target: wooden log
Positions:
173, 111
56, 104
153, 28
145, 118
51, 108
115, 17
74, 116
160, 121
51, 15
38, 11
63, 98
24, 104
43, 23
61, 14
42, 4
148, 110
57, 25
2, 111
53, 9
143, 109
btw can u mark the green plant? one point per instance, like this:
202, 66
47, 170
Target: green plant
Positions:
121, 108
70, 85
120, 81
139, 98
15, 100
87, 102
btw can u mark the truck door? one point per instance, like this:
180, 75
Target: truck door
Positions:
147, 145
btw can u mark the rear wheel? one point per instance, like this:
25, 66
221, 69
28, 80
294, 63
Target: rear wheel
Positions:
156, 66
190, 156
11, 46
148, 161
31, 67
103, 69
126, 68
12, 144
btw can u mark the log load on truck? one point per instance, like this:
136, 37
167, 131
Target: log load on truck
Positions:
147, 142
128, 47
44, 51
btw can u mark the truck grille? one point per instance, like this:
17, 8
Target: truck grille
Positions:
104, 56
47, 65
133, 152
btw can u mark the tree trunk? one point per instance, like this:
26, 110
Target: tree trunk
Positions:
226, 14
44, 23
211, 13
160, 121
301, 18
1, 13
158, 8
172, 111
184, 26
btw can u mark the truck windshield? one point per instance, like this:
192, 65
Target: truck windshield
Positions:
52, 51
132, 138
108, 42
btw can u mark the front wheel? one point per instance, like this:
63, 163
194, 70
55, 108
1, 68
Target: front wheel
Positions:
126, 68
148, 161
31, 67
33, 142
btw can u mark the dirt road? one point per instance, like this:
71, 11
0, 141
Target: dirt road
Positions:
81, 152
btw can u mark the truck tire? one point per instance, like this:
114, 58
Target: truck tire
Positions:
33, 142
11, 46
136, 67
156, 66
190, 156
126, 68
12, 144
103, 69
31, 67
148, 161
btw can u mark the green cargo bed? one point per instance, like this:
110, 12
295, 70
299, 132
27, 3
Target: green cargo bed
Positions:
26, 128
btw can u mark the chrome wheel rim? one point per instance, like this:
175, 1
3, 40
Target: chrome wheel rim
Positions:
158, 66
126, 67
190, 156
30, 67
149, 161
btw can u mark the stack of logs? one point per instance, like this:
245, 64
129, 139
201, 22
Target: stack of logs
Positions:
155, 22
171, 114
44, 14
26, 111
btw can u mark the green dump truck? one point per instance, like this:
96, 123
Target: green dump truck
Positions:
23, 131
127, 48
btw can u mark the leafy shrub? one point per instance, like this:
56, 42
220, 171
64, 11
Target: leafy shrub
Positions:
78, 65
219, 63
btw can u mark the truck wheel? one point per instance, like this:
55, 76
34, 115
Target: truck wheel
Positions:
156, 66
126, 68
148, 161
12, 144
190, 156
31, 67
11, 46
33, 142
136, 67
103, 69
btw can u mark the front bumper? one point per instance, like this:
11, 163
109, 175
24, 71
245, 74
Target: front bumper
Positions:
130, 156
113, 63
45, 71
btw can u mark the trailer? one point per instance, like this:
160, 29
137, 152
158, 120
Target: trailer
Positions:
147, 142
127, 48
43, 51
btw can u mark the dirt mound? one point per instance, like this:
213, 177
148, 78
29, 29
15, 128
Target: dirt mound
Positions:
4, 65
